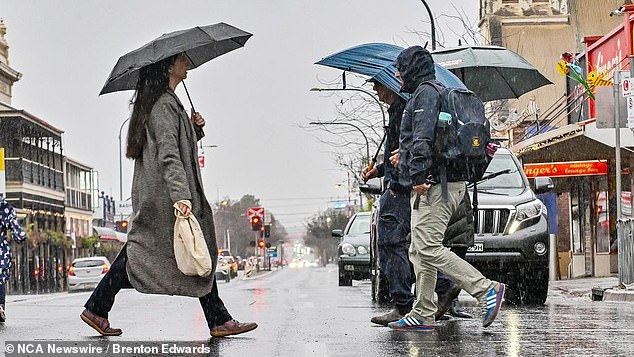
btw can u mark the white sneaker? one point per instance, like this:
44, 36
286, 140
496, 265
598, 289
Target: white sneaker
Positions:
3, 316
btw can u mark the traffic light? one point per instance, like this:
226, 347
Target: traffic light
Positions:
261, 243
256, 223
121, 226
267, 230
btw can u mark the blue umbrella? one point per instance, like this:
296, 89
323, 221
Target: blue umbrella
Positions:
377, 61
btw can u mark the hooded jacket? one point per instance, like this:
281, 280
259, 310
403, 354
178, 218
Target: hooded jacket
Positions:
416, 165
416, 67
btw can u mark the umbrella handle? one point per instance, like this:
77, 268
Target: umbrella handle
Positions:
190, 98
372, 163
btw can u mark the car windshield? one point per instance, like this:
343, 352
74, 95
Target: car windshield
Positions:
513, 179
88, 263
360, 225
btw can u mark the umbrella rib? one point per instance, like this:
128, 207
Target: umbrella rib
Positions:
497, 69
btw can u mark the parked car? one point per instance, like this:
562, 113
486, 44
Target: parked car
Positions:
223, 270
86, 273
511, 237
354, 249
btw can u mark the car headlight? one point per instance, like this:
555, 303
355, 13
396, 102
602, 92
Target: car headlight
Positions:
362, 250
525, 212
347, 248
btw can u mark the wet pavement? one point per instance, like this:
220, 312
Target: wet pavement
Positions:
302, 312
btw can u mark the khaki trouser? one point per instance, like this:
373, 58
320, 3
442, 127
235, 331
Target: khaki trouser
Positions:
428, 255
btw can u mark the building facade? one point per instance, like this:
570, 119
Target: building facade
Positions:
559, 133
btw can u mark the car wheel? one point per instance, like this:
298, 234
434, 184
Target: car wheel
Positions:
536, 286
513, 294
345, 279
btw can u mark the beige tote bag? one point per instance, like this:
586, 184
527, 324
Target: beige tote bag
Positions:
190, 248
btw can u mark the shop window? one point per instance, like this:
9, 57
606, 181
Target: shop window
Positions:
576, 233
603, 223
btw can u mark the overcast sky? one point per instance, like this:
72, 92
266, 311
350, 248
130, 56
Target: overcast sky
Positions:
255, 99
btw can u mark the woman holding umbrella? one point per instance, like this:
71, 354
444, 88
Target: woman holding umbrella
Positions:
162, 141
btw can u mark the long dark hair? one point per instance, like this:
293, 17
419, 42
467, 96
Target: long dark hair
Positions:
153, 82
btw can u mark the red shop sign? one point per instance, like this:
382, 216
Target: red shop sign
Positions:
563, 169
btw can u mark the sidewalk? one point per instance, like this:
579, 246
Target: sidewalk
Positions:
597, 289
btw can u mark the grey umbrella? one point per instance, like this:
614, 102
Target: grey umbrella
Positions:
491, 72
201, 44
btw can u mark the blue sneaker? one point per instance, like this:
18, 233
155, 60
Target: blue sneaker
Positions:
410, 323
491, 304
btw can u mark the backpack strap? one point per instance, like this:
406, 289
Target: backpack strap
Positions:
442, 168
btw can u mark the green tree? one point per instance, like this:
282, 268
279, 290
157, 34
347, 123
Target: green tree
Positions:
319, 233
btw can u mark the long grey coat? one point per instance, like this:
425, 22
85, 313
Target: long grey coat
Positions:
166, 172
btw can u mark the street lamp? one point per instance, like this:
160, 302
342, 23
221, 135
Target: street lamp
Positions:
433, 25
120, 163
356, 90
367, 143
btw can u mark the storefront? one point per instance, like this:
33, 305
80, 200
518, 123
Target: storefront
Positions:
579, 158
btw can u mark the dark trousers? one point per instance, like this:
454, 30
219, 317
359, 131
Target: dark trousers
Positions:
393, 243
102, 299
3, 293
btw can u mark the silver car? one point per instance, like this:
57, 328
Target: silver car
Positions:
86, 273
223, 271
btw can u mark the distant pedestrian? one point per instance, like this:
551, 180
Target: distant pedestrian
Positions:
431, 211
162, 141
8, 223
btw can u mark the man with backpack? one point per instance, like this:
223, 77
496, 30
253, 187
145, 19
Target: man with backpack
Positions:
393, 225
437, 178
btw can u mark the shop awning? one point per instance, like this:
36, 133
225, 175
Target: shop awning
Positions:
576, 142
106, 233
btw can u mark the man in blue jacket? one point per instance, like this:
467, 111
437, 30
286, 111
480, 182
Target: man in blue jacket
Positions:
394, 215
430, 211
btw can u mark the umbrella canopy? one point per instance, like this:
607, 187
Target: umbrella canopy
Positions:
201, 44
377, 61
491, 72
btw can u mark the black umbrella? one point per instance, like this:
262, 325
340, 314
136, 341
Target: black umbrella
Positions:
491, 72
201, 44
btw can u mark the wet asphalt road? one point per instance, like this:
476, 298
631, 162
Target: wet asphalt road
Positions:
302, 312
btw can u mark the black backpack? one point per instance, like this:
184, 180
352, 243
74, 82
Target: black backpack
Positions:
462, 134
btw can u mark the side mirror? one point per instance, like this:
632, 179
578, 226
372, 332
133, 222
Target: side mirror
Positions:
337, 233
372, 187
543, 185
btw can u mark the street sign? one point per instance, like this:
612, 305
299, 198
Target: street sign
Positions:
201, 161
630, 111
272, 254
627, 86
255, 212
